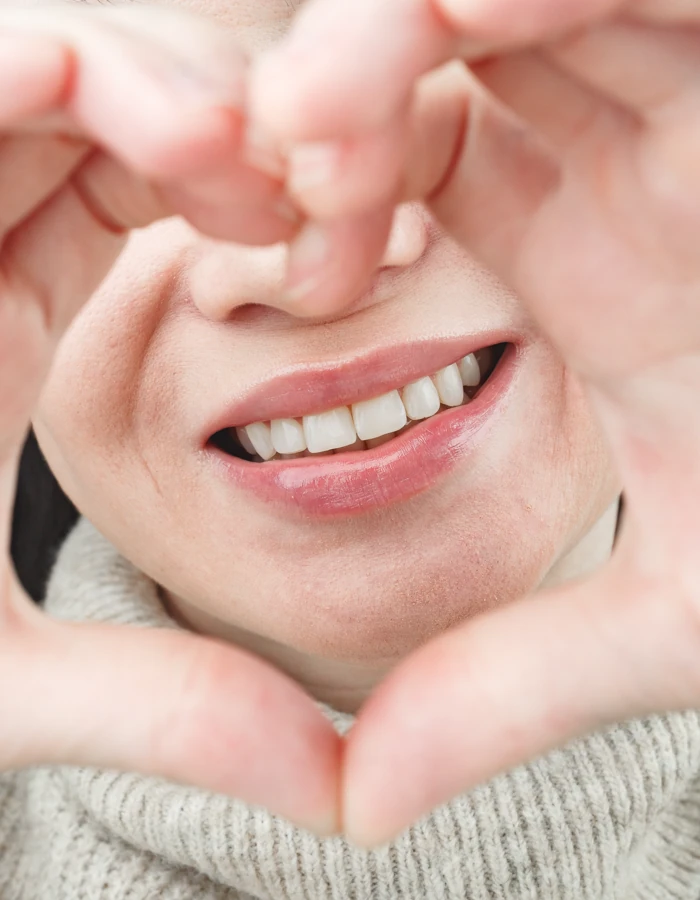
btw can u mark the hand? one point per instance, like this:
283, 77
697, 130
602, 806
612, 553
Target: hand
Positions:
577, 180
110, 120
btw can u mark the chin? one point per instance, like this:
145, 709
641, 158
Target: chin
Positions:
371, 589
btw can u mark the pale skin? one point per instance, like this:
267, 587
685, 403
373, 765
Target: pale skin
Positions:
618, 304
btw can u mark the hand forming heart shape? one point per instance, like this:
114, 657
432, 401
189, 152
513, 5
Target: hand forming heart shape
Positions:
580, 188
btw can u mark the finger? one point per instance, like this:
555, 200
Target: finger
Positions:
646, 69
241, 205
501, 177
556, 105
311, 89
677, 12
35, 276
509, 687
513, 22
184, 133
323, 41
454, 164
31, 169
35, 72
330, 263
346, 178
405, 160
40, 294
163, 113
168, 705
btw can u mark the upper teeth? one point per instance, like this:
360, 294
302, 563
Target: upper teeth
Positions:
366, 420
382, 415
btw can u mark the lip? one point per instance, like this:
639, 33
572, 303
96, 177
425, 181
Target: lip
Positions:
305, 390
356, 482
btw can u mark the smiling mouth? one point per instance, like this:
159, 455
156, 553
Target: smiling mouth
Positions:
367, 423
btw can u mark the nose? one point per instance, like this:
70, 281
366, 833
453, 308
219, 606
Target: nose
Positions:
227, 277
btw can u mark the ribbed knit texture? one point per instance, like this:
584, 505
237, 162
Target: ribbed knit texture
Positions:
612, 817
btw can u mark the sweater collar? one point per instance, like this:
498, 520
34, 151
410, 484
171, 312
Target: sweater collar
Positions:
593, 820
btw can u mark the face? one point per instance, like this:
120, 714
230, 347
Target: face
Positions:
354, 557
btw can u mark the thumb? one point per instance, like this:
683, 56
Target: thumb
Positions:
512, 685
166, 704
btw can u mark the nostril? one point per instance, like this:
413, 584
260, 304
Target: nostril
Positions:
254, 314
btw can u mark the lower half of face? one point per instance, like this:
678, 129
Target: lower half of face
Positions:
522, 482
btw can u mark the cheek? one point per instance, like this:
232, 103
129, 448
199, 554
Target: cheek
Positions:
86, 421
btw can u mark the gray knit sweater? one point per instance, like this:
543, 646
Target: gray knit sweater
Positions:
614, 816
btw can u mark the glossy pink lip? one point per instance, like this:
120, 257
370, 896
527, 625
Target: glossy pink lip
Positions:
316, 388
351, 483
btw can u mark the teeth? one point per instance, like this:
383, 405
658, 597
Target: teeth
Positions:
421, 399
380, 416
287, 436
449, 385
469, 370
259, 436
329, 430
246, 443
368, 423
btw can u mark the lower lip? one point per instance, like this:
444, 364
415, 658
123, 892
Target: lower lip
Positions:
357, 482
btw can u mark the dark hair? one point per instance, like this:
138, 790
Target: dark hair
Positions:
41, 520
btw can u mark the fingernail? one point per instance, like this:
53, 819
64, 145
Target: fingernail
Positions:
296, 294
310, 250
308, 255
262, 152
312, 165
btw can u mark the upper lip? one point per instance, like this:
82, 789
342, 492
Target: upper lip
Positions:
313, 388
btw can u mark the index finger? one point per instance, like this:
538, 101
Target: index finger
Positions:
344, 71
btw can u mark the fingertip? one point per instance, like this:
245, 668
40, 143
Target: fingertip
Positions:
267, 744
386, 779
261, 151
309, 256
330, 263
364, 822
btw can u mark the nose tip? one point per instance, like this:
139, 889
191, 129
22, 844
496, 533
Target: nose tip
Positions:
226, 277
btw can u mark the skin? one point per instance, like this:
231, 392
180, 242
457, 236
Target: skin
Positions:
580, 188
585, 203
336, 604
